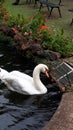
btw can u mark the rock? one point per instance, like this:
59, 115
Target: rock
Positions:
36, 49
22, 42
7, 30
52, 55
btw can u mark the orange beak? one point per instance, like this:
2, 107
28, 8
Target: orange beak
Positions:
47, 74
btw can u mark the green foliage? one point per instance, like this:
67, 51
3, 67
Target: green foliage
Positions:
2, 12
46, 38
16, 21
57, 42
33, 25
62, 45
2, 9
36, 22
1, 2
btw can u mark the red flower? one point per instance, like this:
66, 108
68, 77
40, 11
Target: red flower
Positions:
43, 27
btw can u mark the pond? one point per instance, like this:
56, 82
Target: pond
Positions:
20, 112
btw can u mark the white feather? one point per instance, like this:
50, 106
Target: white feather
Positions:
23, 83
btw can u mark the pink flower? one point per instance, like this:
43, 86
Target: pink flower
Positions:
30, 32
15, 30
26, 34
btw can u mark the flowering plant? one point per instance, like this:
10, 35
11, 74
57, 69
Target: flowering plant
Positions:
2, 12
44, 34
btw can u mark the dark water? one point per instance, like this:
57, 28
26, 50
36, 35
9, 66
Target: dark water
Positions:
20, 112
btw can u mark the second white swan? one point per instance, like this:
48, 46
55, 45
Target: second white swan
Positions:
23, 83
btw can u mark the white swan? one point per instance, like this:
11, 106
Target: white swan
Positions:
23, 83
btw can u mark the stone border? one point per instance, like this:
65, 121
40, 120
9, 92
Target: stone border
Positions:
63, 117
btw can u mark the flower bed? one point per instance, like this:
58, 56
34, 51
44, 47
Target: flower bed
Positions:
33, 32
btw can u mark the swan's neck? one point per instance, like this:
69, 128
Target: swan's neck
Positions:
38, 84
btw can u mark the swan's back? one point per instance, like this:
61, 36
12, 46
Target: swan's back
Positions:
21, 75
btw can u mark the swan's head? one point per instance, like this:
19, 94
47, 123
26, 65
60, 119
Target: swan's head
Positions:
42, 68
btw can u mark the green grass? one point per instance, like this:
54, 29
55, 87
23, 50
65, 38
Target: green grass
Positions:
55, 23
23, 8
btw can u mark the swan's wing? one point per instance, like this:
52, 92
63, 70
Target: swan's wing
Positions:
21, 75
19, 85
9, 81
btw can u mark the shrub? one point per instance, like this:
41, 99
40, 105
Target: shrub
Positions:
35, 28
2, 12
34, 24
58, 42
45, 35
62, 45
16, 21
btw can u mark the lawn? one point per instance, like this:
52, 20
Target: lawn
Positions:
55, 23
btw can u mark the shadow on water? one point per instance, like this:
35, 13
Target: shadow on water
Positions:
20, 112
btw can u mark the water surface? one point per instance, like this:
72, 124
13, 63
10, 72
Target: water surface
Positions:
20, 112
